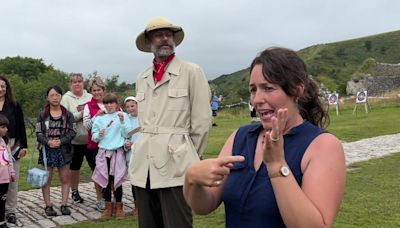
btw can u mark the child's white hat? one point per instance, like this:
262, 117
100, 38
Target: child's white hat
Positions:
130, 98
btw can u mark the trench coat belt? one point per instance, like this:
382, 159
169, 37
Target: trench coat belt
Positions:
164, 130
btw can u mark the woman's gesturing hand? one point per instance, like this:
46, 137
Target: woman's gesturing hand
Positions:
273, 139
211, 172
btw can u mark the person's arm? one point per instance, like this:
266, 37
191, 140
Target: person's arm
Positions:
87, 120
317, 201
77, 114
200, 114
125, 124
21, 127
96, 129
40, 135
205, 180
21, 131
11, 169
69, 132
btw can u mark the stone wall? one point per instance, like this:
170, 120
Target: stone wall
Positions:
376, 86
386, 69
385, 78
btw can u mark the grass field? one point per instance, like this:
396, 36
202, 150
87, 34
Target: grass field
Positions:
372, 199
372, 196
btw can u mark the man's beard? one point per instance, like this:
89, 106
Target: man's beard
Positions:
163, 53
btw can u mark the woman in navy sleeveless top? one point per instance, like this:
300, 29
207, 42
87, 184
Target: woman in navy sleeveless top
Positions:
285, 171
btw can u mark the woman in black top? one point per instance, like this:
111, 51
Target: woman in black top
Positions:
18, 144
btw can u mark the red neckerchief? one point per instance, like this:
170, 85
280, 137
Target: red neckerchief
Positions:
160, 67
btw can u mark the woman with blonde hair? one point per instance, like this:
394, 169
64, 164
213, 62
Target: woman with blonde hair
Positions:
74, 101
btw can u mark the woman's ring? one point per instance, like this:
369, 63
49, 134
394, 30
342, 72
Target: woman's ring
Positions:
274, 139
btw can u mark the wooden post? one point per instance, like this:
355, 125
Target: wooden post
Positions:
366, 107
355, 109
337, 109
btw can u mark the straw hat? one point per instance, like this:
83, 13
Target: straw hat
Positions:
154, 24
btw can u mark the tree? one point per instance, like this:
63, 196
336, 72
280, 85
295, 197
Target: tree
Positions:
367, 66
340, 52
329, 83
29, 79
383, 50
368, 45
112, 83
26, 67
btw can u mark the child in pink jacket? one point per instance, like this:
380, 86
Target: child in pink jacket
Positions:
7, 173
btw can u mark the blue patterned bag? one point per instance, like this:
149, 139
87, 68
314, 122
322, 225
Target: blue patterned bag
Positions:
38, 177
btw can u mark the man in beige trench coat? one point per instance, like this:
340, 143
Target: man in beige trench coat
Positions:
175, 117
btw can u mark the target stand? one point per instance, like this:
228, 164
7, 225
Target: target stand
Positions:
361, 99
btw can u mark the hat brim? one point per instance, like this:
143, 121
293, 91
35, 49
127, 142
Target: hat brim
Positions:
130, 98
144, 46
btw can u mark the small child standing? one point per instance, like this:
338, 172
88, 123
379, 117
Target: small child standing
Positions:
110, 131
131, 109
7, 173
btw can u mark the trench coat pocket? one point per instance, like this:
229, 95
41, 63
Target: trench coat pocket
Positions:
183, 156
178, 99
140, 96
161, 163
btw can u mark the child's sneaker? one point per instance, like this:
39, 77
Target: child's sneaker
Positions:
50, 211
65, 210
101, 205
11, 218
76, 197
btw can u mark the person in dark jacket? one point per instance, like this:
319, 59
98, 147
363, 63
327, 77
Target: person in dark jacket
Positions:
11, 109
54, 132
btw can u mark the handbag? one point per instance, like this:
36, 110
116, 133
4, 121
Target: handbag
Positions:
38, 177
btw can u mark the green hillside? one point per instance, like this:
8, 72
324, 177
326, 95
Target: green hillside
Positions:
333, 61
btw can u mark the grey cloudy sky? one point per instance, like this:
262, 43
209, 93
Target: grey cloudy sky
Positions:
222, 36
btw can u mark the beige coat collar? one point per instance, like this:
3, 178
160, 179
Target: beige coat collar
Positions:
172, 70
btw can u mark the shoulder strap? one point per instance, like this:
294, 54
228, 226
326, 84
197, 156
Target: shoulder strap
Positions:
44, 156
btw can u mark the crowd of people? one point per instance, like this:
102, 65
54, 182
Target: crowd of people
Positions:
283, 170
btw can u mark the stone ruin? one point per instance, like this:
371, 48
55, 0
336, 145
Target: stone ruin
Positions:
384, 78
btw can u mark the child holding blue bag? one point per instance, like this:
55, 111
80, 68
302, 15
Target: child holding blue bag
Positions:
132, 110
110, 131
54, 131
7, 173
